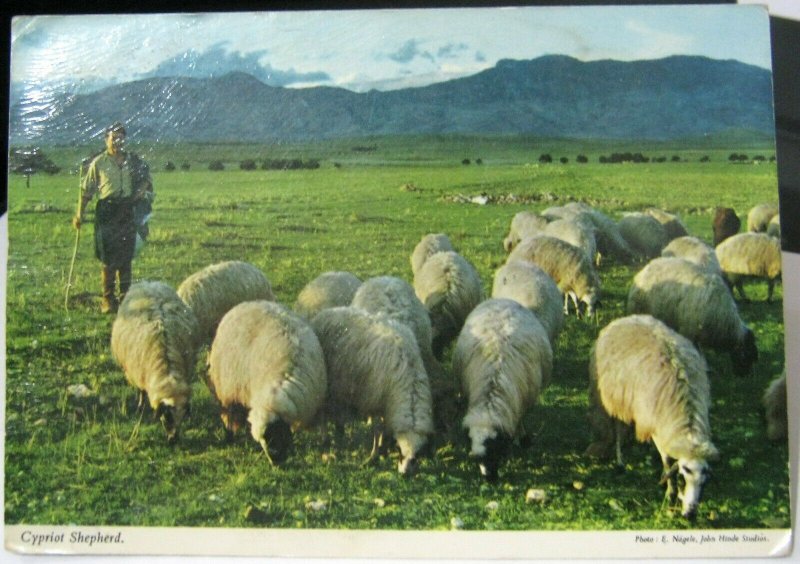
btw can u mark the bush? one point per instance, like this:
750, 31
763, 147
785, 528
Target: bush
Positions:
170, 166
465, 162
582, 159
248, 164
185, 166
563, 160
216, 165
545, 158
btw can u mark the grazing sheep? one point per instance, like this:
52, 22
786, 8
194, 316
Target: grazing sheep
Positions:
568, 266
672, 224
645, 374
375, 367
694, 250
533, 288
695, 303
576, 233
430, 244
395, 298
266, 364
774, 401
154, 339
774, 226
750, 255
644, 234
523, 225
504, 360
329, 289
607, 235
214, 290
449, 287
759, 216
725, 224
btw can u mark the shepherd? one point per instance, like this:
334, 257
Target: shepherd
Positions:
121, 180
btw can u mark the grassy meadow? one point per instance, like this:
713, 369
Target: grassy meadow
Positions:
91, 459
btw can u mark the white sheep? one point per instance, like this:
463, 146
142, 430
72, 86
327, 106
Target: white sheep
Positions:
533, 288
266, 363
644, 374
449, 286
775, 409
774, 226
214, 290
576, 233
759, 216
695, 303
643, 233
672, 224
504, 360
329, 289
694, 250
569, 267
430, 244
524, 224
750, 255
607, 235
375, 367
154, 339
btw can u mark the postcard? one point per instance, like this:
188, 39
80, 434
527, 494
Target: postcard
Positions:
435, 283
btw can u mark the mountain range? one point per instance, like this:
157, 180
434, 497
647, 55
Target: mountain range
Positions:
553, 96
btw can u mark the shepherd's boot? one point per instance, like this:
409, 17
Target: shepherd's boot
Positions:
109, 303
125, 277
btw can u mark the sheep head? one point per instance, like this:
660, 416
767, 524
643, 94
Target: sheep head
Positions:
489, 447
171, 414
409, 443
278, 439
691, 475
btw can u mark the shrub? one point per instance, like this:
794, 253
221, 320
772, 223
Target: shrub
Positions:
216, 165
248, 164
465, 162
545, 158
185, 166
170, 166
582, 159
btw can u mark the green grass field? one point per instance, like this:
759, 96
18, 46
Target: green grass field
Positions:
95, 460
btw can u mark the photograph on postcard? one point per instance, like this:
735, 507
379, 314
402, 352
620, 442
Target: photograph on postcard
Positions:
452, 272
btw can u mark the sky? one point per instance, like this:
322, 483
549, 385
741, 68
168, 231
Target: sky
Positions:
364, 49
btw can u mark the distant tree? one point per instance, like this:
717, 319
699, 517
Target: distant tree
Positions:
479, 161
603, 159
563, 160
772, 159
170, 166
759, 158
465, 162
582, 159
675, 159
545, 158
216, 165
185, 166
248, 164
29, 161
704, 159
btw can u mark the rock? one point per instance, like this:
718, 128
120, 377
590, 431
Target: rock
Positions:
535, 496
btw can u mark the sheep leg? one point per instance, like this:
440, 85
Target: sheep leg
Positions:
141, 401
377, 442
619, 429
566, 304
739, 285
